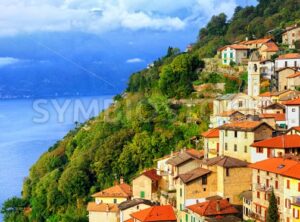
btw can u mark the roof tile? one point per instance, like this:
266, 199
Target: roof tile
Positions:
155, 213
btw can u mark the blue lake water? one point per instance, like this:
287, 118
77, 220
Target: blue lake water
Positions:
29, 127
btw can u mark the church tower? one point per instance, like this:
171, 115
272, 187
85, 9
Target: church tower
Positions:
254, 74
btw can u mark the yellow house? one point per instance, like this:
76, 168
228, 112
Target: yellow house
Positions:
282, 77
236, 138
293, 81
211, 143
105, 206
282, 176
267, 50
145, 185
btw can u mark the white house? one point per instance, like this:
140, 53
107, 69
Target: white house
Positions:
288, 60
267, 68
293, 113
234, 53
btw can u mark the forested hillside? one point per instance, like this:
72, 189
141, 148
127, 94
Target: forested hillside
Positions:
142, 125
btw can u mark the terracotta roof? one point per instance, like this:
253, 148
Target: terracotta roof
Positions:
296, 74
209, 208
275, 106
131, 203
155, 213
271, 47
274, 165
293, 172
120, 190
129, 220
289, 56
276, 116
212, 133
225, 161
247, 126
292, 102
256, 41
193, 174
266, 94
92, 206
185, 156
280, 142
234, 46
152, 174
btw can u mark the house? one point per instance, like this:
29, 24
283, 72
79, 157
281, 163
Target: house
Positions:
287, 60
232, 175
275, 120
282, 176
192, 187
212, 209
267, 50
169, 167
145, 186
226, 117
234, 54
274, 108
293, 113
128, 207
294, 130
154, 214
265, 99
236, 137
275, 147
291, 35
247, 204
281, 77
211, 143
105, 206
286, 95
293, 81
254, 74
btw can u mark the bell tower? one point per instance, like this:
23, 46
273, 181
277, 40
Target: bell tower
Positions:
254, 74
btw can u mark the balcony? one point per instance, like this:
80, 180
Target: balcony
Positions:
296, 201
263, 188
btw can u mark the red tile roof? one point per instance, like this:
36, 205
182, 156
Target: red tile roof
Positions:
276, 116
256, 41
209, 208
293, 172
129, 220
238, 47
243, 125
195, 153
120, 190
292, 102
289, 56
152, 175
155, 213
92, 206
296, 74
212, 133
271, 47
274, 165
280, 142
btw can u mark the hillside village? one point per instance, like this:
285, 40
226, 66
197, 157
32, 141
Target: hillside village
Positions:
250, 152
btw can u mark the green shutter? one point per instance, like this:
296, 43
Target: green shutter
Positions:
142, 194
186, 218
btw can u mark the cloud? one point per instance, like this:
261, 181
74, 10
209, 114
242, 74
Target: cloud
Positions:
134, 60
6, 61
98, 16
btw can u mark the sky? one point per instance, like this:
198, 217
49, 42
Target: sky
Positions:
41, 37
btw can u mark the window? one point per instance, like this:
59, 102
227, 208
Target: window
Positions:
258, 179
267, 183
278, 200
295, 63
186, 218
226, 146
180, 192
258, 194
276, 184
235, 148
235, 134
298, 187
288, 184
295, 213
142, 194
115, 201
246, 149
240, 103
286, 63
204, 180
227, 172
246, 135
259, 150
231, 55
226, 133
181, 207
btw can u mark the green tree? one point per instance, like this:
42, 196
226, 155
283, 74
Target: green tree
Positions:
13, 210
272, 214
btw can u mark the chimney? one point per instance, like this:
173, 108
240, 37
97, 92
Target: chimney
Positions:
218, 207
107, 208
121, 180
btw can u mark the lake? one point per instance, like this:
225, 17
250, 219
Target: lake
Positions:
29, 127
